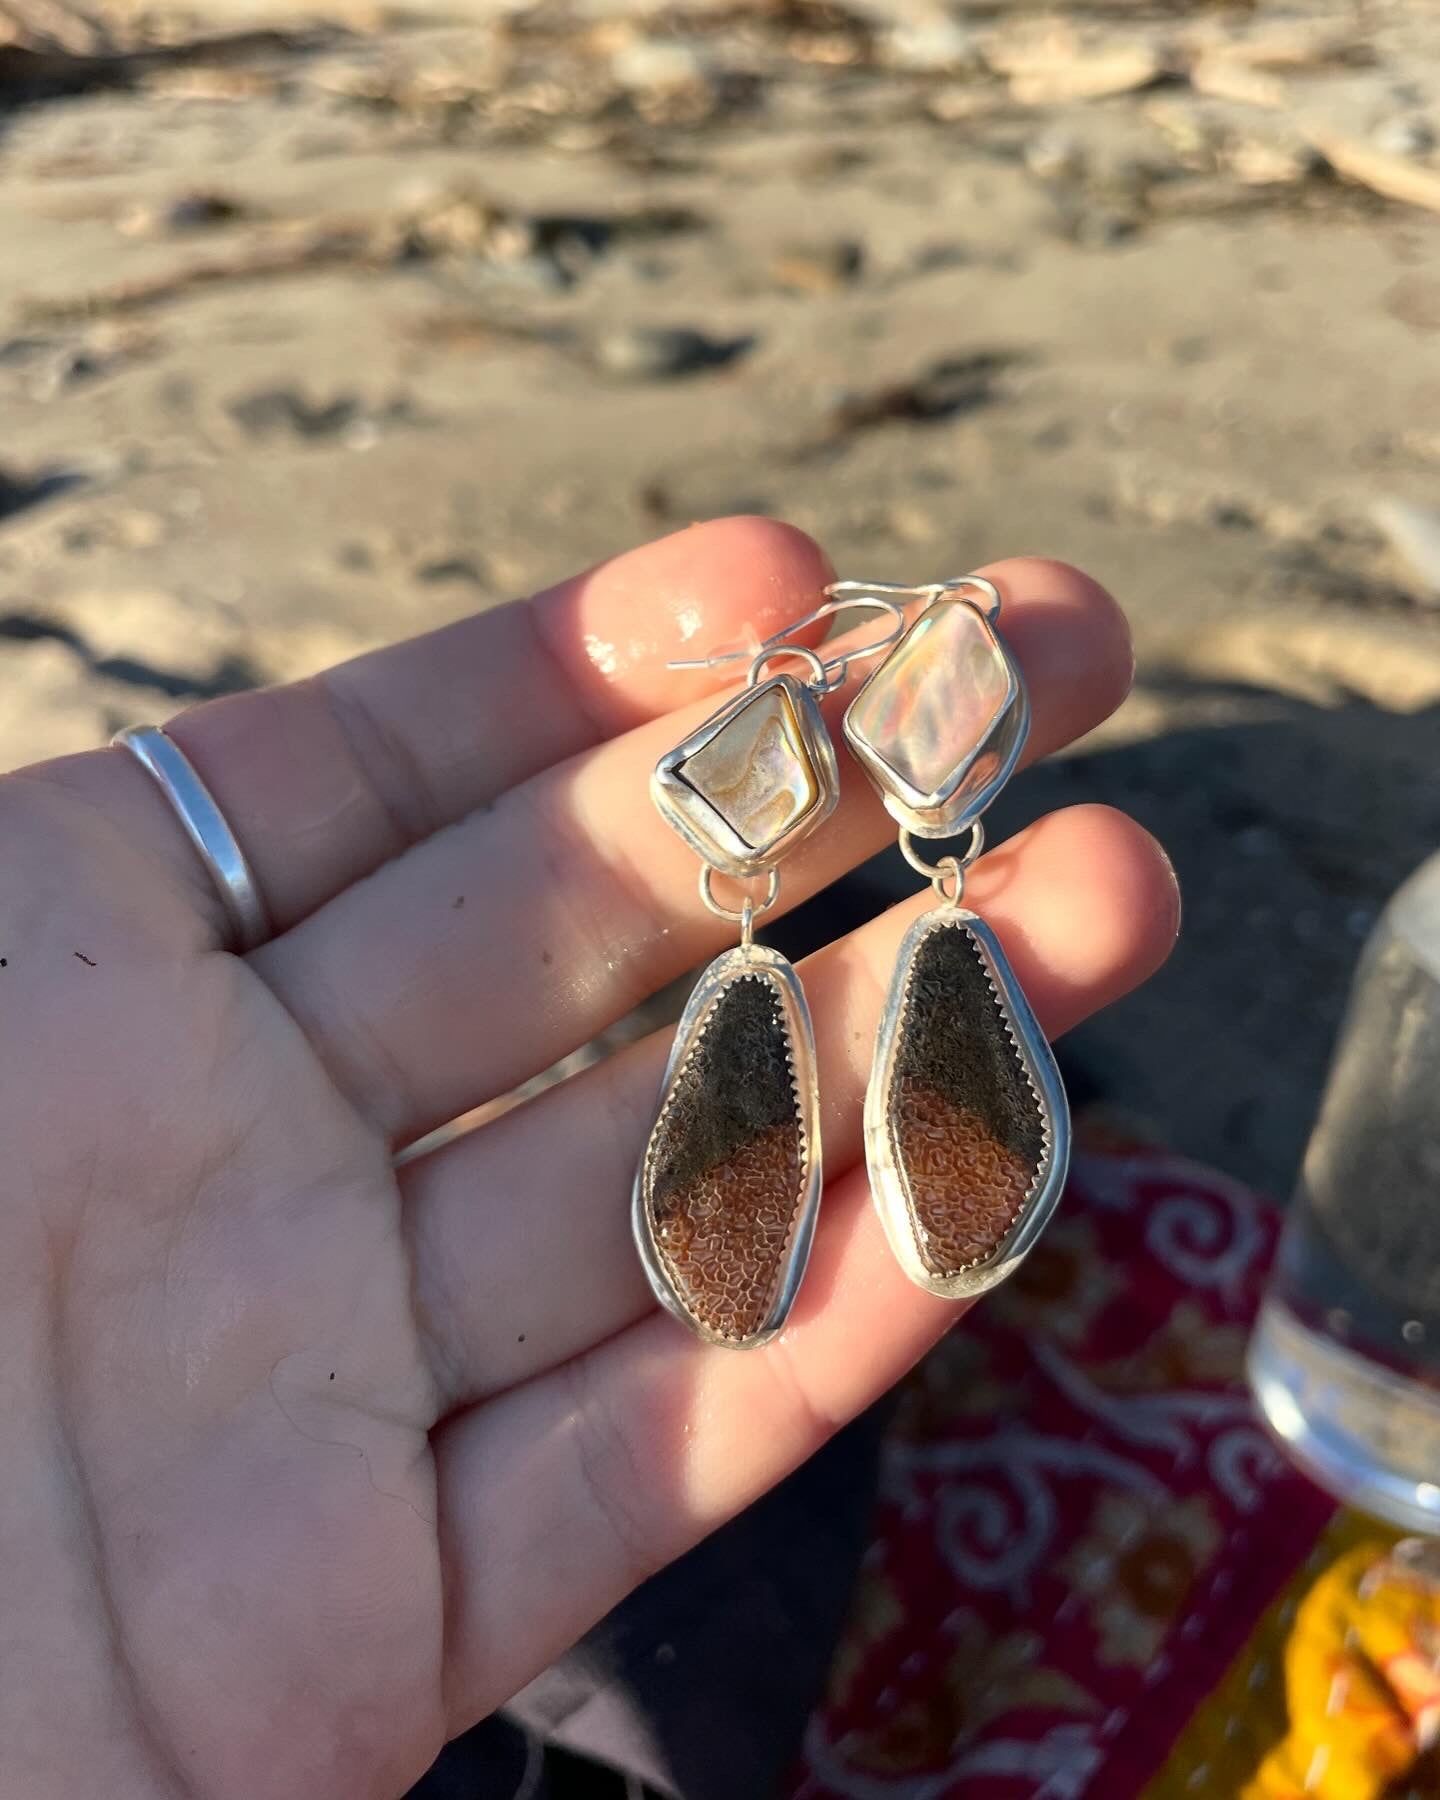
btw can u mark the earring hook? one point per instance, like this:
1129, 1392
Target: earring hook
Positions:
830, 672
929, 591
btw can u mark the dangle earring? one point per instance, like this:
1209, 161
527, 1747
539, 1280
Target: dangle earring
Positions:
967, 1129
727, 1191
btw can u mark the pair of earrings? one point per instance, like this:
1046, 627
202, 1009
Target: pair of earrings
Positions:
966, 1124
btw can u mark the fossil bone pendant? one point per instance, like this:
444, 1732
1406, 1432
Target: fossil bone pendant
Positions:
967, 1131
726, 1196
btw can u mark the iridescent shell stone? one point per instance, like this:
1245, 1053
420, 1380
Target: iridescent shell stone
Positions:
939, 724
753, 781
756, 772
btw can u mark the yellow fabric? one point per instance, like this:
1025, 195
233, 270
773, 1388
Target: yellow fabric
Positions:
1337, 1694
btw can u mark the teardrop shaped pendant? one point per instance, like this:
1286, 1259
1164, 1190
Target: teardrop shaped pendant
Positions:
967, 1129
727, 1192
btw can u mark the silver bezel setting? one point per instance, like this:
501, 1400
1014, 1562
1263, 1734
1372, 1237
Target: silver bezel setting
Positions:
962, 796
887, 1182
755, 961
712, 837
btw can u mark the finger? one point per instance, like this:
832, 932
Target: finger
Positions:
1086, 905
561, 1496
571, 900
323, 780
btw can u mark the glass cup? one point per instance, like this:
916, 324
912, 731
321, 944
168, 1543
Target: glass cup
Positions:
1345, 1358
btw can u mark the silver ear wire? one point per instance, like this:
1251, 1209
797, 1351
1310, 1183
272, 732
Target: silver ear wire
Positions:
829, 673
929, 591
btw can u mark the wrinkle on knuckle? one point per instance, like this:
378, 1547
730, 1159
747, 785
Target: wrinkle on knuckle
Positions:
347, 1040
609, 1469
815, 1426
376, 1078
629, 1111
393, 775
867, 962
438, 1310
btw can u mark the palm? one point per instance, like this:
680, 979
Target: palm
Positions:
248, 1533
311, 1461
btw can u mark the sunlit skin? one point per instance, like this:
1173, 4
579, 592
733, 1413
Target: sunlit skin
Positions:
309, 1462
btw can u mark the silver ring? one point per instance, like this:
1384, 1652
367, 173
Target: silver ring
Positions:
205, 826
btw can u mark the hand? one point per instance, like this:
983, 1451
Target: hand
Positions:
309, 1461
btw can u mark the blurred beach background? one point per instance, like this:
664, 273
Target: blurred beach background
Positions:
322, 323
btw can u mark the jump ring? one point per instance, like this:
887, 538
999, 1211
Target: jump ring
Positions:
205, 825
949, 870
948, 865
750, 909
806, 655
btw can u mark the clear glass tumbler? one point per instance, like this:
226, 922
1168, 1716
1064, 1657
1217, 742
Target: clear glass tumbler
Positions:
1345, 1358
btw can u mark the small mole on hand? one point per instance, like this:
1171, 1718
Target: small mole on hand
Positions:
521, 1338
4, 962
85, 959
332, 1374
457, 902
547, 957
